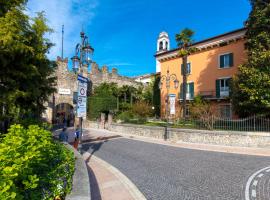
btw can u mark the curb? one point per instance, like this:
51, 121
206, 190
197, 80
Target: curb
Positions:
80, 180
133, 190
80, 183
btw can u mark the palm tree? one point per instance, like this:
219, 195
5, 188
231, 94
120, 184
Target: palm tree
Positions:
184, 41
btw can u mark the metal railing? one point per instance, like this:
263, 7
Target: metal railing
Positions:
254, 123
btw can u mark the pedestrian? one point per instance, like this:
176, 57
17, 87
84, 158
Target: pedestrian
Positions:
63, 136
77, 137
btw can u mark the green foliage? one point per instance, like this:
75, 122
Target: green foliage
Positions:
125, 116
26, 79
123, 106
33, 166
5, 6
156, 96
251, 86
103, 100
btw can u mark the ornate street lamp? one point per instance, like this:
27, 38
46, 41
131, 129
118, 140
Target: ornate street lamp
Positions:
167, 79
83, 56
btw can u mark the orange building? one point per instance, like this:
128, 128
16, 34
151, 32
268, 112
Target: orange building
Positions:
209, 71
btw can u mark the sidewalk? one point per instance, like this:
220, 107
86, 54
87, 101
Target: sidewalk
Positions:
108, 183
102, 134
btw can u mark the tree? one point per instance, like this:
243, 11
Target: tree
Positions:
156, 96
102, 100
184, 41
251, 86
202, 109
26, 79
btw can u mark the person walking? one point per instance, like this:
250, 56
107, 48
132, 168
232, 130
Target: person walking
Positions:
77, 138
63, 136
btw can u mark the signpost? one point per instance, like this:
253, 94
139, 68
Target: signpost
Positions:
172, 103
81, 101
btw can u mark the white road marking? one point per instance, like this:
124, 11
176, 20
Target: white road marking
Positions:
255, 183
260, 175
253, 193
251, 179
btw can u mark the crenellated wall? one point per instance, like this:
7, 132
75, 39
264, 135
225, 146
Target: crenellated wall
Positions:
67, 81
99, 75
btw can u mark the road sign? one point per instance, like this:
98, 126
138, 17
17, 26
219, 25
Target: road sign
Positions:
82, 79
82, 96
172, 103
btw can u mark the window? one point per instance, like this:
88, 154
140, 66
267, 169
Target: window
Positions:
226, 60
189, 91
224, 87
225, 111
188, 68
160, 45
166, 45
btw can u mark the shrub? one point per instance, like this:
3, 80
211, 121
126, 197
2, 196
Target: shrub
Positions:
125, 116
33, 165
142, 109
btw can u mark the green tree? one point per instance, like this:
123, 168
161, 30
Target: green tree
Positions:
26, 79
103, 99
184, 41
251, 86
156, 96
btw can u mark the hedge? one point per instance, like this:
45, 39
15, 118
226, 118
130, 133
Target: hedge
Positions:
33, 165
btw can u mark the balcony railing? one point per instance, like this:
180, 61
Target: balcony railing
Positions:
208, 94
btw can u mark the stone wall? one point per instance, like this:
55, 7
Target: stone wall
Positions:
228, 138
99, 75
68, 80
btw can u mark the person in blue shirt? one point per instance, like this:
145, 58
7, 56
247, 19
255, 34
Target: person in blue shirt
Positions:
63, 136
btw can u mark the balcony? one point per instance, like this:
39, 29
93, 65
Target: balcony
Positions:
207, 94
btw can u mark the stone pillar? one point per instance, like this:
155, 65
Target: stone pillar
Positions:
110, 120
102, 120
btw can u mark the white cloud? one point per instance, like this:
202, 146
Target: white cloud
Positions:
74, 14
119, 64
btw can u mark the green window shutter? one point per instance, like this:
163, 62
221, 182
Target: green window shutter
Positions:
182, 69
181, 91
231, 59
191, 87
221, 61
218, 88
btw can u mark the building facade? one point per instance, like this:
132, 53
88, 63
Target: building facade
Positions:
209, 71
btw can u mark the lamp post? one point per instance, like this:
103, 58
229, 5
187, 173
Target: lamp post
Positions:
167, 79
83, 57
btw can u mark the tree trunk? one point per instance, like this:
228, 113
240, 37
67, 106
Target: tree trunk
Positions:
131, 99
184, 86
117, 103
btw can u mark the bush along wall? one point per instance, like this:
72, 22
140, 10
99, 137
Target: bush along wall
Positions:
33, 165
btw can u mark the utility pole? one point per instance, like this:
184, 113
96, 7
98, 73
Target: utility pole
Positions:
62, 52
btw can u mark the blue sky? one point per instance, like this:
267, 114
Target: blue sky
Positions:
124, 32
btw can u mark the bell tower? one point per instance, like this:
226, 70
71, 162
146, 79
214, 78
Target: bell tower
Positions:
163, 44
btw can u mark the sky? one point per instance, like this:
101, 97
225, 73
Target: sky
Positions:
124, 32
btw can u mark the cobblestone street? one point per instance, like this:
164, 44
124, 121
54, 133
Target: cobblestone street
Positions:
164, 172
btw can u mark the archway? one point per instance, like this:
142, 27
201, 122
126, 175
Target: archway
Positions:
64, 115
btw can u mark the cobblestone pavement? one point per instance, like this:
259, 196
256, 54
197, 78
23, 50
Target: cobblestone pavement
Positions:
163, 172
